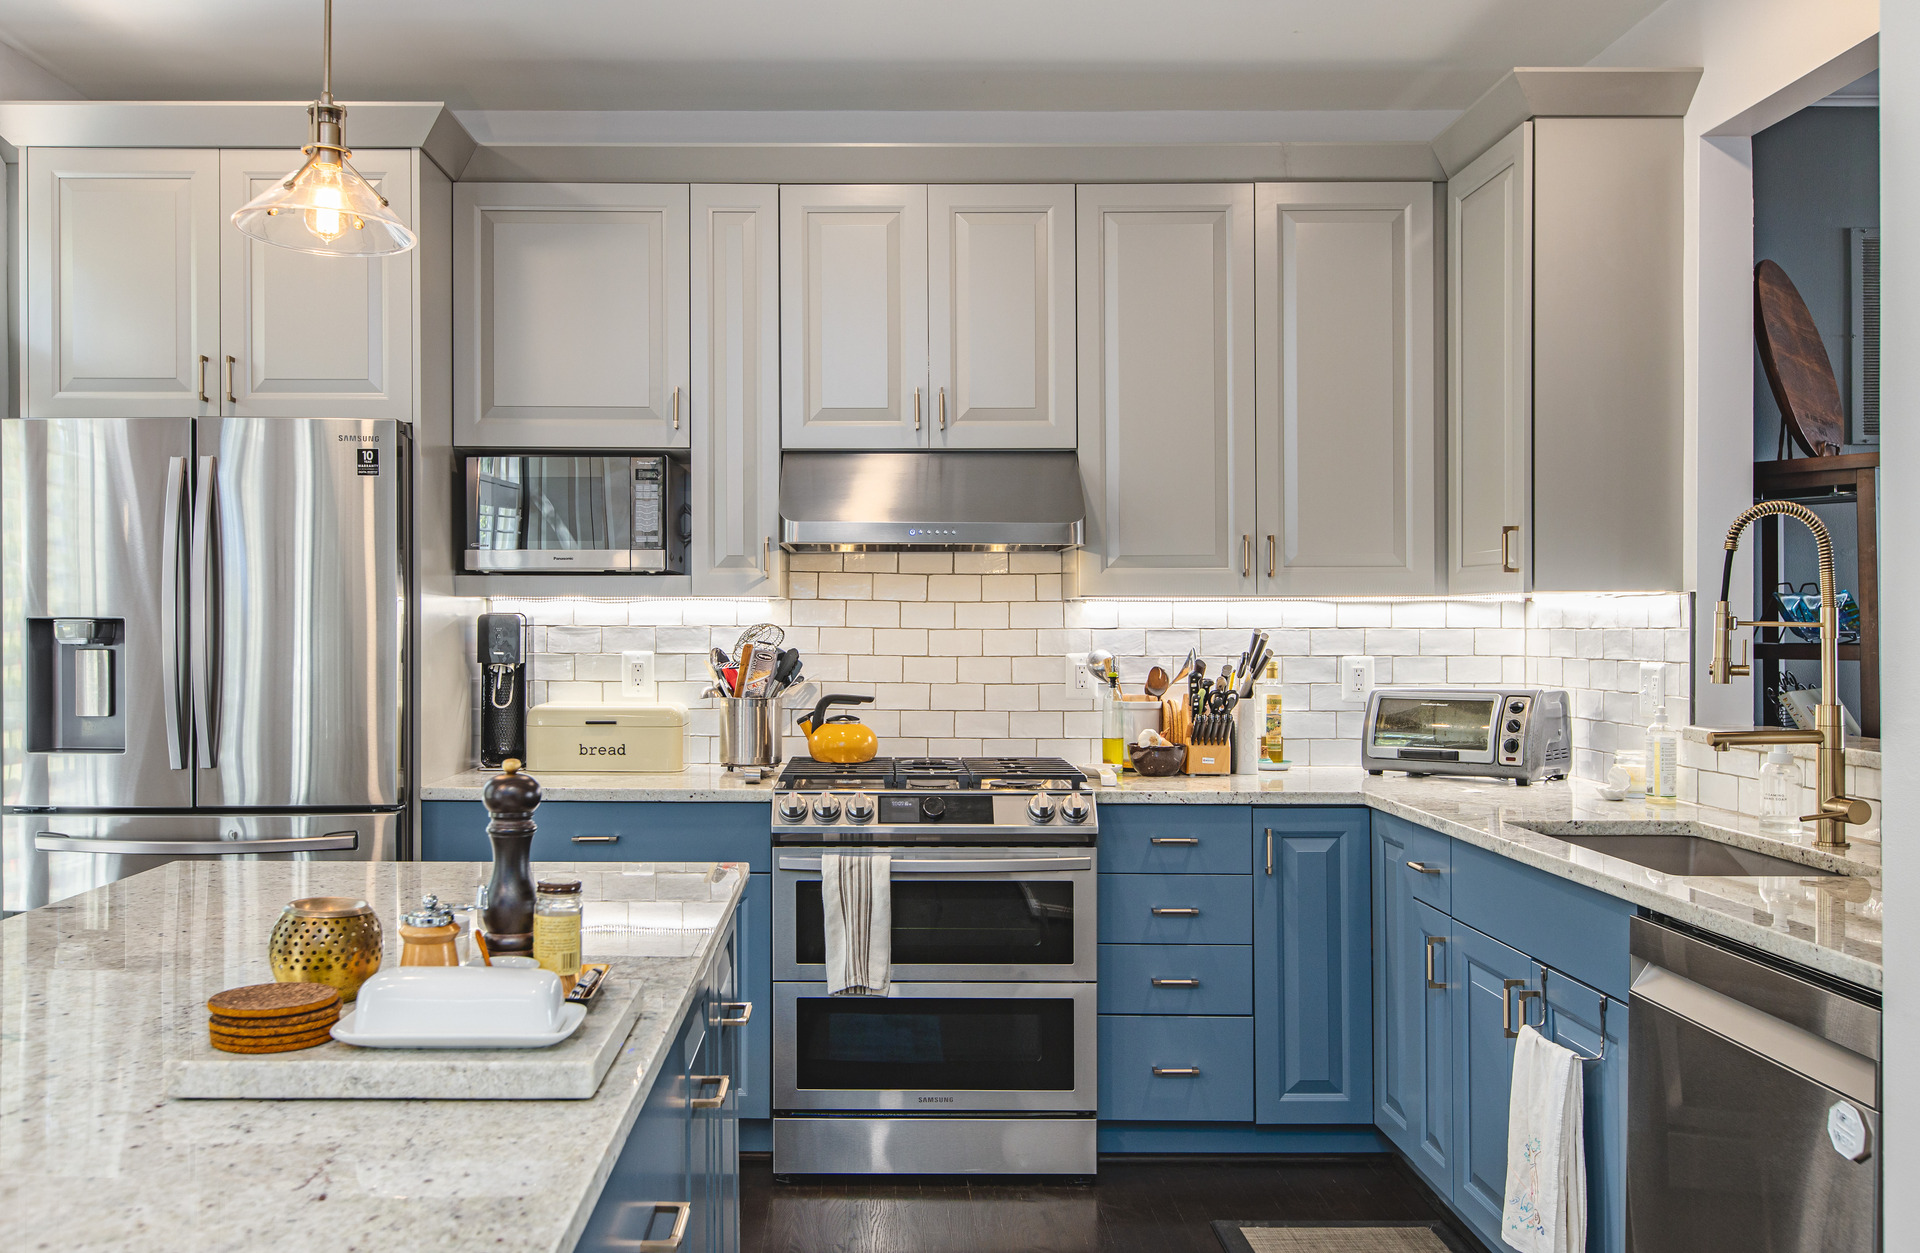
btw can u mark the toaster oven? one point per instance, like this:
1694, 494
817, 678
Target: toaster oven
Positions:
598, 512
1523, 734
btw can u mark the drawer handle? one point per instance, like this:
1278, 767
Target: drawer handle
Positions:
1176, 1072
683, 1212
1175, 983
746, 1014
1431, 941
1168, 911
596, 839
1422, 867
717, 1099
1173, 839
1506, 1006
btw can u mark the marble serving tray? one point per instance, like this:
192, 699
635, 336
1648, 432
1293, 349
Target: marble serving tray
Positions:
568, 1071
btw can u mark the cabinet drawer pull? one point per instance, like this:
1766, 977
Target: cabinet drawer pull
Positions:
676, 408
683, 1210
1270, 556
1269, 850
1169, 911
1176, 1072
1506, 1006
718, 1099
1431, 941
596, 839
916, 408
1246, 556
766, 556
943, 408
1175, 983
204, 398
1506, 551
231, 398
1173, 839
1520, 999
1422, 867
746, 1013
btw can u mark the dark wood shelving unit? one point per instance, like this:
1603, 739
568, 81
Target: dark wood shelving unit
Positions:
1849, 478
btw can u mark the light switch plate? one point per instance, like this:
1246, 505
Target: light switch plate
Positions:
1653, 688
1356, 679
637, 679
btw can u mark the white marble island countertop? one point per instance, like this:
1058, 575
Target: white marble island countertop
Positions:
93, 1156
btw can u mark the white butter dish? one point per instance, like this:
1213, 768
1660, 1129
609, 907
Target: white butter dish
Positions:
459, 1007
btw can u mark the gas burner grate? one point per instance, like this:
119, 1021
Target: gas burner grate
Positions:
1024, 773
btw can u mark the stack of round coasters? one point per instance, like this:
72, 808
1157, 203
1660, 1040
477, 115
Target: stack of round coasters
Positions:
272, 1017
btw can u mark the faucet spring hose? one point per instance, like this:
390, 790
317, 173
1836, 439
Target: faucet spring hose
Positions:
1789, 509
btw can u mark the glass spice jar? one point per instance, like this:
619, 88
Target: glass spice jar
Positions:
556, 928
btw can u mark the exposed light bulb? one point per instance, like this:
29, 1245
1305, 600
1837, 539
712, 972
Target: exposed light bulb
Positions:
325, 219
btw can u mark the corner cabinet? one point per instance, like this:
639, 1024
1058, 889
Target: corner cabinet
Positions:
571, 315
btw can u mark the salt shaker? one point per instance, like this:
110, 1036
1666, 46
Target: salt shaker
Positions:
427, 935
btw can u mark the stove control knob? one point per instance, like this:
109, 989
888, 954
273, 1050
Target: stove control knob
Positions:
1075, 808
859, 807
1040, 808
826, 809
932, 807
792, 806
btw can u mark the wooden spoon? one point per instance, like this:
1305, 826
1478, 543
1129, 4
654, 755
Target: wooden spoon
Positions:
1158, 682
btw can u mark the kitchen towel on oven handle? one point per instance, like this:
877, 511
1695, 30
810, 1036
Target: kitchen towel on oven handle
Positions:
856, 893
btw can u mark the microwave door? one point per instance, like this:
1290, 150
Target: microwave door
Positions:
95, 710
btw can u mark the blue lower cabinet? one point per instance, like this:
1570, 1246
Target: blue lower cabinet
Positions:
1205, 979
1566, 925
1175, 909
1595, 1025
1412, 1022
1174, 839
1166, 1069
754, 929
1313, 966
652, 1178
610, 831
1486, 977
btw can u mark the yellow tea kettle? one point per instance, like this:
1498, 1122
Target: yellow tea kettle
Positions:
843, 738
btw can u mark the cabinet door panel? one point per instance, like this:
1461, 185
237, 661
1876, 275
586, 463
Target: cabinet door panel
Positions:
653, 1170
1000, 308
1432, 1148
312, 336
1593, 1024
1175, 909
1166, 373
736, 391
1483, 1009
1347, 427
1489, 368
1399, 972
853, 317
1184, 979
571, 315
1204, 1069
123, 290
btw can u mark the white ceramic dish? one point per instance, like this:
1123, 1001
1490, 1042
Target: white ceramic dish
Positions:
571, 1016
470, 1007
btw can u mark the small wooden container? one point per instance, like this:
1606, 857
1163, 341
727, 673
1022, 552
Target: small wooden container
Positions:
428, 935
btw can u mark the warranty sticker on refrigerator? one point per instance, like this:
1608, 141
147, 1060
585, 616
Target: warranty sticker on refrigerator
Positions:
369, 463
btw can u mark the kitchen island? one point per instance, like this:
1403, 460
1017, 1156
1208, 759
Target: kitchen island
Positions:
94, 1156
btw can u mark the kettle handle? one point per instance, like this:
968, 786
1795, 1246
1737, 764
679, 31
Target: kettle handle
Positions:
814, 719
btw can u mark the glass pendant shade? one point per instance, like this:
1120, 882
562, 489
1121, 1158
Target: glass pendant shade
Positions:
325, 207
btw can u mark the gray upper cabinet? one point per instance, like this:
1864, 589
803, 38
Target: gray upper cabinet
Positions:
1489, 374
122, 315
1000, 316
304, 335
1167, 382
853, 317
735, 412
1348, 426
571, 315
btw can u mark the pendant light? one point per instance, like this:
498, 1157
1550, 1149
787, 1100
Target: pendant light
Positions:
325, 206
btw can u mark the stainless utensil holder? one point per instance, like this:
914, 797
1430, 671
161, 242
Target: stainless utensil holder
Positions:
750, 730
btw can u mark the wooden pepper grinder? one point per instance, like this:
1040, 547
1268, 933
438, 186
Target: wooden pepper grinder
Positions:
511, 797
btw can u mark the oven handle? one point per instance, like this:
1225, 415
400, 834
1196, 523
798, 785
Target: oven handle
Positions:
999, 865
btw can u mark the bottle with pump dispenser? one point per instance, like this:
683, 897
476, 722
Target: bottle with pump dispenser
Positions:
1779, 815
1663, 751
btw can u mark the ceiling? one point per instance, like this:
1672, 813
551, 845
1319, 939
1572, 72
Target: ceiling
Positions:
822, 54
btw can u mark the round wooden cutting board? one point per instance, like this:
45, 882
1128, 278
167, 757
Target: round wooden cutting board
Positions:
1798, 369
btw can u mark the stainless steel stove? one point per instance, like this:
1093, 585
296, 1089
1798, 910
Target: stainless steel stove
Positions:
981, 1057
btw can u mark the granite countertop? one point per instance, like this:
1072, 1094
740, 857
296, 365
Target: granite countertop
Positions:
92, 1156
695, 783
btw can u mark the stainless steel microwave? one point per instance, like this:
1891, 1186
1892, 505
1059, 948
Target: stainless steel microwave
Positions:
1523, 734
590, 512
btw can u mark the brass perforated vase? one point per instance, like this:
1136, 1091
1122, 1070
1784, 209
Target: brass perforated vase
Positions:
326, 939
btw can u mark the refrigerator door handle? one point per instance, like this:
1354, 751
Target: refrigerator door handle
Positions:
54, 842
172, 523
203, 614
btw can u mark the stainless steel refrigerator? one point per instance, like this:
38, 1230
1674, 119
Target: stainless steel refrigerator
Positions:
204, 645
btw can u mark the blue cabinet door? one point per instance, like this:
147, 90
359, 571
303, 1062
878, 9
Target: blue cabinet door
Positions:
753, 929
610, 831
1175, 909
1432, 1150
1595, 1025
1486, 975
1413, 1045
1313, 966
651, 1179
1209, 980
1174, 839
1166, 1069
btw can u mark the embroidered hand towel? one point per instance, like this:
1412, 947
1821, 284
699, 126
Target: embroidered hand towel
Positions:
855, 891
1546, 1196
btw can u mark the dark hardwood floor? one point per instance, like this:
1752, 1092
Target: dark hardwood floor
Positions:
1139, 1205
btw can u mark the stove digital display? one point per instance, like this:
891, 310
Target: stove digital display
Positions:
975, 809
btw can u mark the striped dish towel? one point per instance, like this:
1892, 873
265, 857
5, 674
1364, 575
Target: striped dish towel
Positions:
855, 889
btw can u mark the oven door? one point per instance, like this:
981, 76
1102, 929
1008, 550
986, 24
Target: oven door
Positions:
1416, 726
965, 914
936, 1048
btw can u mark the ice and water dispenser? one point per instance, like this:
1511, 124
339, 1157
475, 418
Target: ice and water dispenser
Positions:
76, 685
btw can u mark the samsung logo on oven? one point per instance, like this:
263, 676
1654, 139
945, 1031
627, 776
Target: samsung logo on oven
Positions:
603, 750
936, 1100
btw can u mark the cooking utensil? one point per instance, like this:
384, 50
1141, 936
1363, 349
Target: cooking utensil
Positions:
787, 667
843, 738
757, 667
1798, 369
718, 661
1186, 667
759, 633
1157, 682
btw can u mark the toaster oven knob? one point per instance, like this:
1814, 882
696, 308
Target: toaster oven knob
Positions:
1511, 746
859, 807
1517, 707
1040, 808
1513, 725
1075, 808
826, 809
793, 807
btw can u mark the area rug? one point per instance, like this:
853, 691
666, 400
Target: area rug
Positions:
1292, 1236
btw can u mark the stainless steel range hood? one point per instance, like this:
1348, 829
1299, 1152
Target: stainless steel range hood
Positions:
833, 501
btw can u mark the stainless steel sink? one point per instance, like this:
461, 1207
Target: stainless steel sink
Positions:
1675, 848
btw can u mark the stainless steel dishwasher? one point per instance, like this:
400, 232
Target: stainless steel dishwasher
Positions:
1753, 1099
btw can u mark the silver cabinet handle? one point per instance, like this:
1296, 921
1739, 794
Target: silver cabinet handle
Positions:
766, 555
173, 522
54, 842
1246, 556
943, 408
1174, 983
596, 839
1431, 941
1164, 911
1506, 558
1423, 867
204, 398
1520, 1001
203, 616
718, 1099
1269, 850
683, 1212
1270, 555
746, 1014
1172, 839
1176, 1072
231, 398
916, 408
676, 408
1506, 1006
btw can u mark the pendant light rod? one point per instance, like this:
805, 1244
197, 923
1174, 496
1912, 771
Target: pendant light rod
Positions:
326, 53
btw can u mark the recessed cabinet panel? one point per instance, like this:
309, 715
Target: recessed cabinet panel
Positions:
314, 336
571, 315
1166, 371
123, 290
1348, 426
1001, 311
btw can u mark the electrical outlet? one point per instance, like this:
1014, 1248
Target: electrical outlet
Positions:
637, 679
1653, 688
1356, 678
1078, 679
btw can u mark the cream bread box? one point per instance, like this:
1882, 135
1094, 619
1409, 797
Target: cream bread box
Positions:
575, 736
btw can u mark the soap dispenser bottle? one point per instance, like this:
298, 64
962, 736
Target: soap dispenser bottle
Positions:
1662, 764
1778, 816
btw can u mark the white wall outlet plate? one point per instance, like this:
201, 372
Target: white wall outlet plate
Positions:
637, 679
1653, 688
1356, 679
1078, 680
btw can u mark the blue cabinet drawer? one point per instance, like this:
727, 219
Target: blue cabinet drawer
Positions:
1176, 909
610, 831
1176, 839
1553, 920
1176, 979
1176, 1069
